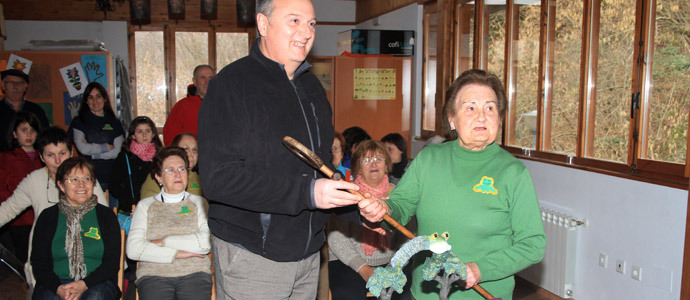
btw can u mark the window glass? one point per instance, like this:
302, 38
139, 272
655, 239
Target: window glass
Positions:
230, 46
150, 71
563, 73
191, 50
496, 38
666, 134
465, 39
613, 83
429, 103
525, 63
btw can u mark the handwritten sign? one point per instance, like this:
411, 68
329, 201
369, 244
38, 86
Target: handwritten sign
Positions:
374, 84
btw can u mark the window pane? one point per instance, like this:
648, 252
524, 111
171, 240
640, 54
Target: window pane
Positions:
668, 106
525, 64
429, 103
496, 39
564, 69
614, 68
465, 40
150, 72
191, 50
230, 46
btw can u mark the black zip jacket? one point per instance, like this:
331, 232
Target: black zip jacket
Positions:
260, 193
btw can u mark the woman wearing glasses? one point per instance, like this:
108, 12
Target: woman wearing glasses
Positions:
76, 243
358, 248
169, 235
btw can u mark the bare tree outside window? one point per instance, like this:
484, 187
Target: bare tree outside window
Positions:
191, 50
150, 71
230, 46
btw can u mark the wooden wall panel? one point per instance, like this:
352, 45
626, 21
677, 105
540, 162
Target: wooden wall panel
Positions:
377, 117
84, 10
367, 9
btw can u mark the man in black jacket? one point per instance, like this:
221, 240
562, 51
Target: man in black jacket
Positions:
14, 85
268, 208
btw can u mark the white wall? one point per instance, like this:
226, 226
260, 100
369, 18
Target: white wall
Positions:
405, 18
112, 33
641, 223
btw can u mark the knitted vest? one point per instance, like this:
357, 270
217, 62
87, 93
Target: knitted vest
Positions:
166, 219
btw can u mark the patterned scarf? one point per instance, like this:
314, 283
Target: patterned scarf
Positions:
143, 151
372, 237
73, 243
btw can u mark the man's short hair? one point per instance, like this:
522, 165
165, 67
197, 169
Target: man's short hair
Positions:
15, 72
202, 66
264, 7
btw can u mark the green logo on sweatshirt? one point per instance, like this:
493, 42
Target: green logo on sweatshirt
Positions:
485, 186
107, 127
185, 211
93, 233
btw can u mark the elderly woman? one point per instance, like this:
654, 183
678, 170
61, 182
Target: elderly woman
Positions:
358, 248
186, 141
76, 243
96, 131
474, 190
169, 235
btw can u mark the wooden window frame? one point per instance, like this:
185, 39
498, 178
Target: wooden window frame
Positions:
169, 31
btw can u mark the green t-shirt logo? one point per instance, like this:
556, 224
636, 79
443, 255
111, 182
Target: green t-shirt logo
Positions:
485, 186
93, 233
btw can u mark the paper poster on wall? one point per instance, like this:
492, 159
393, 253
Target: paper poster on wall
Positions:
96, 68
374, 84
71, 105
73, 76
19, 63
48, 108
40, 82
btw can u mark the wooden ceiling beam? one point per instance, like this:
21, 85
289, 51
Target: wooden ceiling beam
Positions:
367, 9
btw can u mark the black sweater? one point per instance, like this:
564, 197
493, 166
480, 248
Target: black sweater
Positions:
42, 255
119, 179
260, 193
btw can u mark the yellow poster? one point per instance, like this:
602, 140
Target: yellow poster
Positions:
374, 84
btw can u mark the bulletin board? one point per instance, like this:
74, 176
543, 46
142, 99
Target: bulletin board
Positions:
373, 93
57, 78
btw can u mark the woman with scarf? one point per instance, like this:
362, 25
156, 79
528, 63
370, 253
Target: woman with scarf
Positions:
169, 235
358, 248
133, 164
96, 131
76, 243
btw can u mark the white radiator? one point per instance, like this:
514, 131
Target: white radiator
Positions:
556, 272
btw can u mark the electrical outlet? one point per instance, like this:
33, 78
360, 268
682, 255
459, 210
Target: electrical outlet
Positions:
603, 260
620, 266
636, 273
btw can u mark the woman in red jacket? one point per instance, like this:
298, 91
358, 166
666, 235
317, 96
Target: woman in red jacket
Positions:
15, 164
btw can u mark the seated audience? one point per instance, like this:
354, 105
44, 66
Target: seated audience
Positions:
133, 164
76, 248
186, 141
353, 136
169, 235
396, 145
337, 151
358, 248
38, 190
15, 164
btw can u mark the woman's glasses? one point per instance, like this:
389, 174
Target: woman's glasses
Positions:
172, 170
369, 160
76, 180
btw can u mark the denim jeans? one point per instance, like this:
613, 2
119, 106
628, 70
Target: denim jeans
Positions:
193, 286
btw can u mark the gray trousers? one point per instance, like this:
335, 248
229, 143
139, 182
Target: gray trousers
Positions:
189, 287
243, 275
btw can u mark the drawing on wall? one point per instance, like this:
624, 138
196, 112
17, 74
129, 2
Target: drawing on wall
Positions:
19, 63
322, 71
40, 82
71, 105
374, 84
96, 68
48, 108
73, 76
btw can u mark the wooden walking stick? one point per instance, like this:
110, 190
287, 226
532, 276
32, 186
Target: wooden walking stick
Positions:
315, 162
